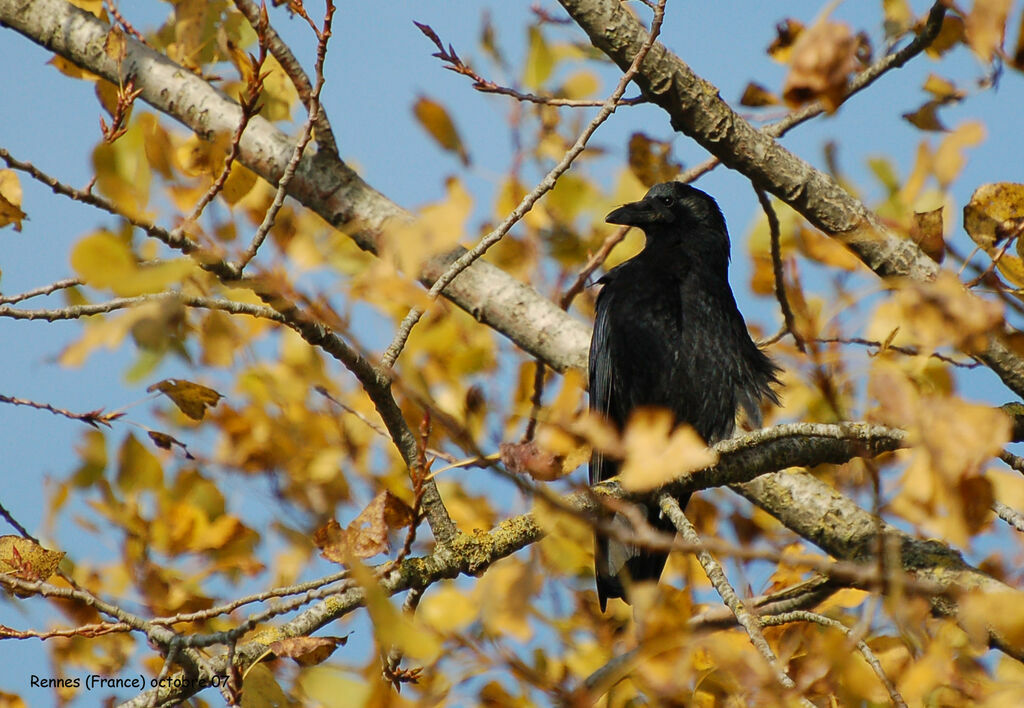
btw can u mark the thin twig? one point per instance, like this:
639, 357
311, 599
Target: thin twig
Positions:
94, 418
75, 312
255, 15
465, 260
41, 290
712, 568
454, 63
777, 270
313, 106
909, 351
1011, 516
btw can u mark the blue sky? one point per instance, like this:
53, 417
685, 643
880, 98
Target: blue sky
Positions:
378, 65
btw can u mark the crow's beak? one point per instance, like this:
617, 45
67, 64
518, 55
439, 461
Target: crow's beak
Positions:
641, 213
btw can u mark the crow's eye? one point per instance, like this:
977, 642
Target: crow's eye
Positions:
667, 201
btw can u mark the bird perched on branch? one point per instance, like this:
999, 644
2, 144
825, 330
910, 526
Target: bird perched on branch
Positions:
668, 334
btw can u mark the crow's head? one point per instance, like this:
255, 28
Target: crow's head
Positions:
671, 204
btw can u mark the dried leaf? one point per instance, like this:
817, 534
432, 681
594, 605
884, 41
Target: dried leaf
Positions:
10, 200
985, 26
756, 96
927, 233
995, 211
27, 560
307, 651
823, 58
367, 535
166, 442
439, 124
651, 160
191, 398
927, 117
528, 458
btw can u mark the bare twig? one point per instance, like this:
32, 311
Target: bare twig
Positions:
94, 418
712, 568
258, 20
42, 290
1010, 515
314, 108
455, 63
780, 282
465, 260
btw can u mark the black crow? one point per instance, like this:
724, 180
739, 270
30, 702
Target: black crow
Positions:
668, 334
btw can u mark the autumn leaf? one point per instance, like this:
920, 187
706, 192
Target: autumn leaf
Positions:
651, 160
823, 57
10, 200
926, 232
994, 212
307, 651
528, 458
367, 535
439, 124
985, 26
27, 560
192, 399
757, 96
655, 454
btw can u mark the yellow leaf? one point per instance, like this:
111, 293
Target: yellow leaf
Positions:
326, 686
657, 454
261, 690
438, 123
1001, 612
950, 34
942, 88
239, 182
447, 609
10, 200
949, 157
995, 212
505, 598
392, 627
115, 45
540, 60
103, 260
438, 229
93, 6
898, 17
191, 398
985, 26
581, 85
27, 560
137, 467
